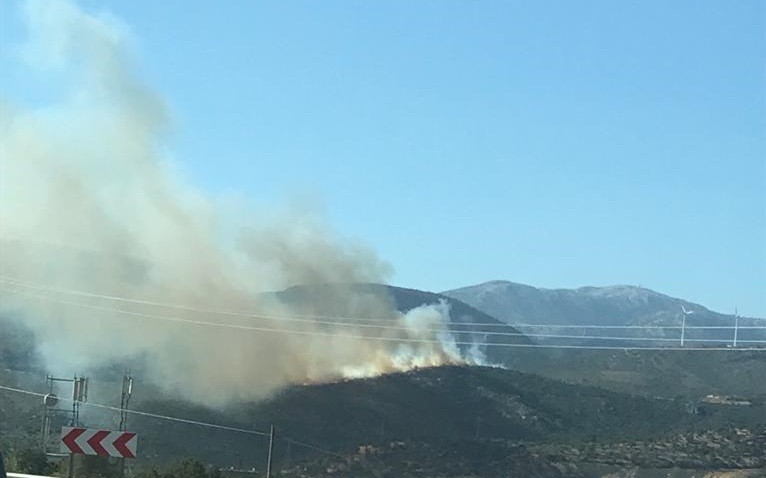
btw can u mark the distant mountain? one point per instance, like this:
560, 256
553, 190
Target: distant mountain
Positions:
621, 305
331, 300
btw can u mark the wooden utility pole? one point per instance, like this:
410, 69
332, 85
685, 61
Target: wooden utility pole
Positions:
272, 433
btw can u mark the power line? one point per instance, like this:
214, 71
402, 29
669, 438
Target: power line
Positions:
314, 317
309, 446
403, 328
389, 339
362, 322
34, 285
144, 414
313, 320
182, 420
319, 319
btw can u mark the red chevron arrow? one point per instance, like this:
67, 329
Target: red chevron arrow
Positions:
121, 443
69, 439
95, 442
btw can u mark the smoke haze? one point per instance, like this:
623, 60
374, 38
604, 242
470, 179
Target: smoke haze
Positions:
89, 202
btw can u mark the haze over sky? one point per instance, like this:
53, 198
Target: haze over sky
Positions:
558, 144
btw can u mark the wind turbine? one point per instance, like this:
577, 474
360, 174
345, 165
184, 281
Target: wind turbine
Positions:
683, 324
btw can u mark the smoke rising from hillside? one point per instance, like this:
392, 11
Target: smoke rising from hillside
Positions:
89, 202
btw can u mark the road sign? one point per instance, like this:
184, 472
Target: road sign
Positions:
91, 441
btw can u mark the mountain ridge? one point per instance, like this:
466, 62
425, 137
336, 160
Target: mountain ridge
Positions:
614, 305
596, 290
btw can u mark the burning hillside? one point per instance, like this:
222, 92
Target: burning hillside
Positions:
108, 255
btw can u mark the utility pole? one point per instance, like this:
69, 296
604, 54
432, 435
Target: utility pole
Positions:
736, 326
288, 454
51, 411
70, 472
272, 433
49, 402
127, 392
79, 395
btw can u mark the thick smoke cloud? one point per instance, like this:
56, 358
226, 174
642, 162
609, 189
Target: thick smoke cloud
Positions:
88, 202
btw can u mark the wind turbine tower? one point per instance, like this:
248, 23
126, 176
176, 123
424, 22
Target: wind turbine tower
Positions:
683, 323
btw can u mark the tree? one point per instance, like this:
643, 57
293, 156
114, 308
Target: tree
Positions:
185, 469
30, 461
92, 467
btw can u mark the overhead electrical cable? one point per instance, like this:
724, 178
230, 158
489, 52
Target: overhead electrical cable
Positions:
143, 414
389, 339
355, 321
178, 420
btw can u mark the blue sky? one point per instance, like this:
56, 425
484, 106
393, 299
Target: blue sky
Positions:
558, 144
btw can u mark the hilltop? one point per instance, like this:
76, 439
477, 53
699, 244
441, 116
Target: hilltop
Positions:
467, 322
618, 305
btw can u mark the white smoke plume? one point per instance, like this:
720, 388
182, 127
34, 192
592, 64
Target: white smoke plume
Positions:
89, 202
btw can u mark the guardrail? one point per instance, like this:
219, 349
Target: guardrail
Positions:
21, 475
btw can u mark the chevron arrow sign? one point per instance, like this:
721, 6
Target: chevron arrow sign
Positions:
90, 441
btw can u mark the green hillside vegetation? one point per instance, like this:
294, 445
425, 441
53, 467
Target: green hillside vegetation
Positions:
435, 405
441, 410
724, 453
652, 373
